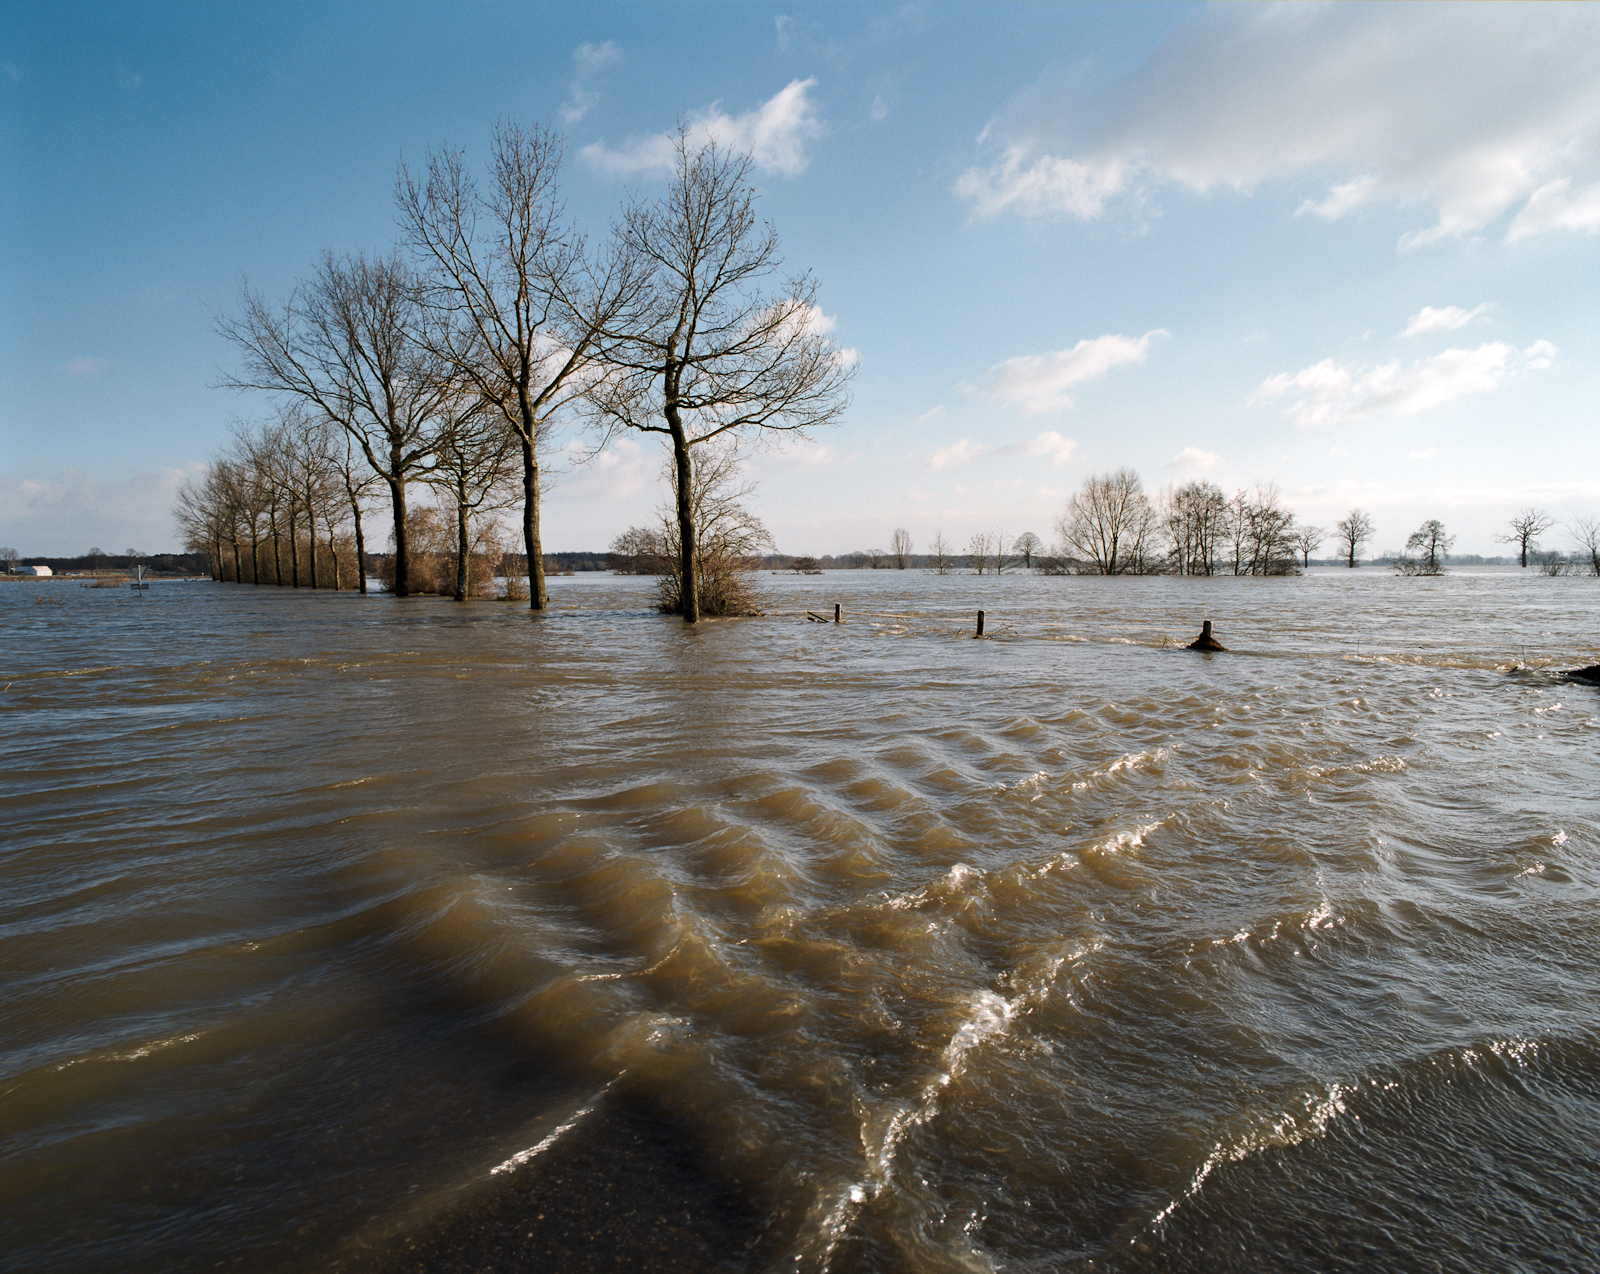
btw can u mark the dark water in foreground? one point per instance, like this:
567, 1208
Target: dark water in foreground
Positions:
353, 934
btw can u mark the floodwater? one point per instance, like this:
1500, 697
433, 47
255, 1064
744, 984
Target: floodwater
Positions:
348, 933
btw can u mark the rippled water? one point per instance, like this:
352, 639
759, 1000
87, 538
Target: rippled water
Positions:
352, 933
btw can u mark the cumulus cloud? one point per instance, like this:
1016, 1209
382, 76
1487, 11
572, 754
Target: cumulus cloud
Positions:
775, 133
1193, 460
587, 61
84, 366
1332, 392
1052, 447
1038, 383
1448, 318
1475, 113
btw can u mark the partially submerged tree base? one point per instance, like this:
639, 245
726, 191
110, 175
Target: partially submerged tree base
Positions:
1589, 675
1205, 641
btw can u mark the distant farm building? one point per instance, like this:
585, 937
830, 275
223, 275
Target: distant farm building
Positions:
37, 570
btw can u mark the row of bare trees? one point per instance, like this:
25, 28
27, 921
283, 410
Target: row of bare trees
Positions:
457, 356
282, 506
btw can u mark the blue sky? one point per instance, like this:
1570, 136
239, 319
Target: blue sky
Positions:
1347, 249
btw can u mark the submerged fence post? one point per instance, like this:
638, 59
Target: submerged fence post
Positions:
838, 613
979, 633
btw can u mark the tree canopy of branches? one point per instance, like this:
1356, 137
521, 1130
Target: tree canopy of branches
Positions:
1525, 529
705, 352
1306, 539
1195, 519
1109, 523
517, 306
900, 547
1432, 546
1355, 529
346, 343
1027, 546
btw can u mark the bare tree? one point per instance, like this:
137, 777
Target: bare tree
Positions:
1000, 553
1429, 539
731, 540
940, 551
1105, 519
1195, 520
1306, 539
1026, 546
477, 457
978, 551
1355, 529
707, 353
900, 547
1525, 529
520, 306
346, 343
1586, 530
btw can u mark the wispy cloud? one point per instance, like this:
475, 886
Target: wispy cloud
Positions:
1331, 392
1038, 383
83, 365
1051, 446
1448, 318
587, 61
961, 452
1476, 113
776, 134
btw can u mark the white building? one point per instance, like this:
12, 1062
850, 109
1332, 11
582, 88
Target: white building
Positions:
37, 570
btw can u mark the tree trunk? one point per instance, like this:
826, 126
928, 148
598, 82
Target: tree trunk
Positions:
361, 545
461, 551
402, 559
689, 582
294, 548
538, 599
277, 544
311, 540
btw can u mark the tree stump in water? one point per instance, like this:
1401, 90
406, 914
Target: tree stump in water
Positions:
1205, 641
1591, 674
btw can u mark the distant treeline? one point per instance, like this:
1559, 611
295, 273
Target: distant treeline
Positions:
153, 563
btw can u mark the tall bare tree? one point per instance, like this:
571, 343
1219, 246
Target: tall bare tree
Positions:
900, 547
1194, 518
1586, 530
520, 303
707, 351
979, 552
1106, 520
1026, 546
1354, 529
939, 549
1525, 529
346, 342
1306, 539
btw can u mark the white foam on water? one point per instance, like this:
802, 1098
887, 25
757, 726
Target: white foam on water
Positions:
554, 1135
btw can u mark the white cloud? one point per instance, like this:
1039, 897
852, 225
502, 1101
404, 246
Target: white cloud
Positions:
879, 110
1038, 383
1474, 112
1051, 446
932, 414
587, 60
83, 365
1448, 318
775, 133
1193, 460
1331, 392
957, 453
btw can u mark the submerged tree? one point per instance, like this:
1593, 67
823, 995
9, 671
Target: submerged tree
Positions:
346, 342
705, 352
1109, 523
1027, 546
727, 550
1355, 529
518, 305
900, 547
1524, 531
1432, 547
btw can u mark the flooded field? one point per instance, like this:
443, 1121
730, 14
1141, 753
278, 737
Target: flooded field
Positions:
348, 933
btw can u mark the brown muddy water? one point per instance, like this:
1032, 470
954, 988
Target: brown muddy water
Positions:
344, 933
